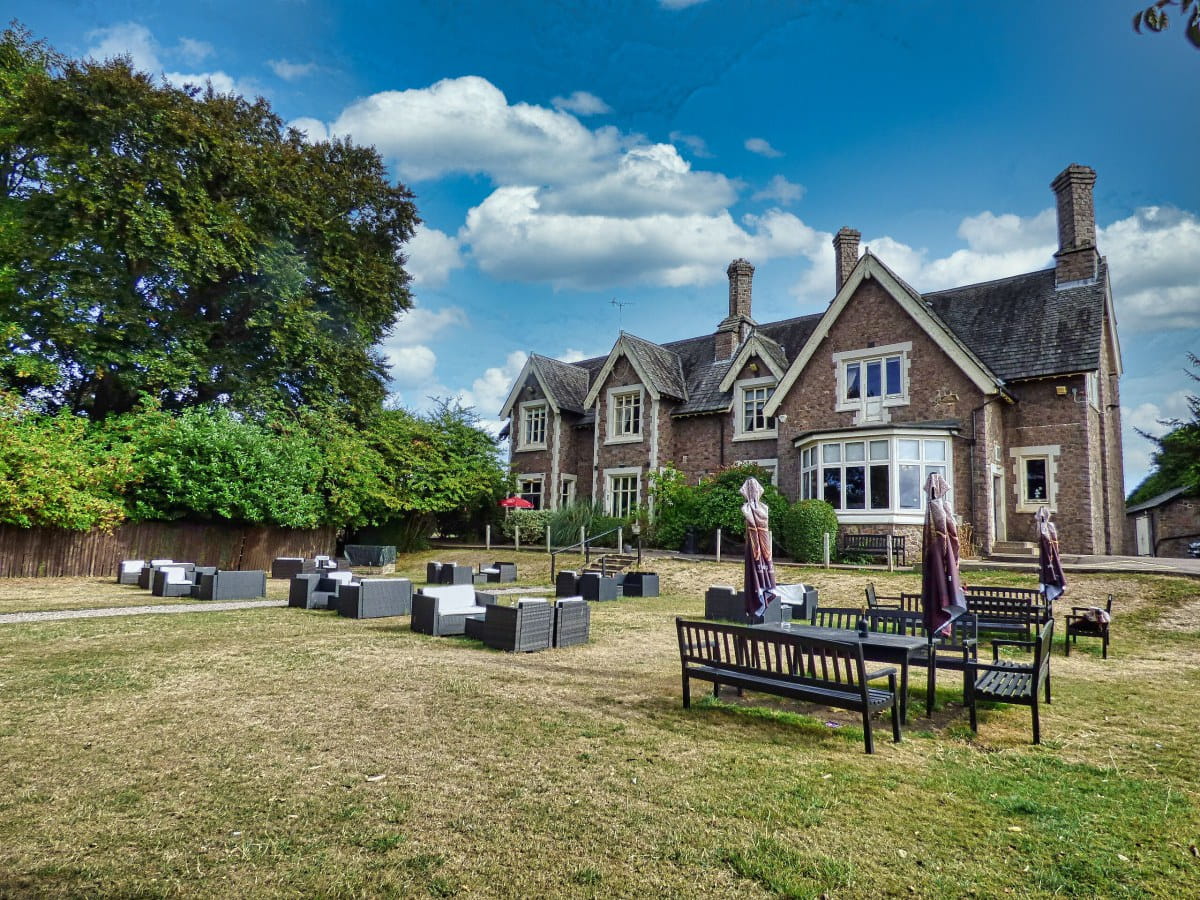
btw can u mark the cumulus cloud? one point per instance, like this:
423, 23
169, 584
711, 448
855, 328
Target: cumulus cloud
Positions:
489, 391
780, 190
1147, 417
1154, 259
694, 143
432, 255
290, 71
137, 42
572, 356
410, 365
421, 324
313, 129
582, 104
762, 148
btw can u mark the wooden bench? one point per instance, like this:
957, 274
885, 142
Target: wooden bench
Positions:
875, 545
1007, 609
955, 650
910, 602
1009, 681
828, 673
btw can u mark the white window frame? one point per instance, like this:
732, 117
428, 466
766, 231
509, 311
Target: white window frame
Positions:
530, 478
861, 357
610, 435
771, 465
1021, 457
740, 388
566, 490
813, 466
523, 421
621, 472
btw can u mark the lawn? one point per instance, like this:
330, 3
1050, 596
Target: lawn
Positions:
288, 752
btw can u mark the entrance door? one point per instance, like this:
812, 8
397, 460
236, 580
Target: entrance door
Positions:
998, 522
1141, 526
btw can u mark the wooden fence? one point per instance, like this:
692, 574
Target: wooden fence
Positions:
53, 552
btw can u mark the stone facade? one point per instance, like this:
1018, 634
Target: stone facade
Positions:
1018, 430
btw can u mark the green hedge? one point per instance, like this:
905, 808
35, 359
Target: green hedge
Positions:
801, 528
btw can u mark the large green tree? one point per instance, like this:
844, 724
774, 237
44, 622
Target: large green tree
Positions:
186, 246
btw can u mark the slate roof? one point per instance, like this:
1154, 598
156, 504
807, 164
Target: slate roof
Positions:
930, 425
1022, 327
1018, 327
1164, 497
566, 383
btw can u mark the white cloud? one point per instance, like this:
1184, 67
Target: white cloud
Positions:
313, 129
1154, 259
194, 51
762, 148
421, 324
411, 365
1147, 417
571, 356
582, 104
137, 42
489, 391
432, 255
290, 71
694, 143
781, 190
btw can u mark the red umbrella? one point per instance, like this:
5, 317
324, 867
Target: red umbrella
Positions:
942, 597
760, 570
516, 503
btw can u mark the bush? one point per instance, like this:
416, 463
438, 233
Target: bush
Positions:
714, 503
567, 520
801, 527
532, 523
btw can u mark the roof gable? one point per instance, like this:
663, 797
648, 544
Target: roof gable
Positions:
660, 369
870, 267
563, 384
755, 345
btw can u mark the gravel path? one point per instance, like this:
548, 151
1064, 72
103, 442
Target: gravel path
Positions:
60, 614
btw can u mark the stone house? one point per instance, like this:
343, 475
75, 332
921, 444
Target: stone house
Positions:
1009, 388
1164, 525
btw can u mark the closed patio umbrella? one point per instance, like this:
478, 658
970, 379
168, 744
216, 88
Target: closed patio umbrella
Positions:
942, 599
760, 570
1050, 570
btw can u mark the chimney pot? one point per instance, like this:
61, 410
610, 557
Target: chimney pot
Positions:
845, 254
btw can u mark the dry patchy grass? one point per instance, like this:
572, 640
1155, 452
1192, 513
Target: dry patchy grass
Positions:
289, 752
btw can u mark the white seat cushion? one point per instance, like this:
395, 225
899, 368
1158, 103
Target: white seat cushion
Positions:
132, 565
161, 562
453, 599
341, 577
176, 575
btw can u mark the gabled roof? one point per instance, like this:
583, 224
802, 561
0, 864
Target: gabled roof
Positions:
660, 369
564, 384
755, 344
1024, 327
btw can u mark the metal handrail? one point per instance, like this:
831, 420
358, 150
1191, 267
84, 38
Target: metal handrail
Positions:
586, 546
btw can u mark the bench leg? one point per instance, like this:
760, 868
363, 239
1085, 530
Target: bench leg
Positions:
868, 738
896, 715
930, 688
903, 698
1037, 731
1104, 647
971, 704
687, 691
1067, 644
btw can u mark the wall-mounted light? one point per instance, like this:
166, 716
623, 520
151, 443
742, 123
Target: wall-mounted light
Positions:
754, 367
1061, 390
781, 418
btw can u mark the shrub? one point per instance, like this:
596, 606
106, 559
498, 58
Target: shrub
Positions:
567, 520
714, 503
801, 527
532, 523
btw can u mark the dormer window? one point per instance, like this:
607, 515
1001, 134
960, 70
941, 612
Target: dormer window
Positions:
624, 415
751, 422
533, 425
871, 381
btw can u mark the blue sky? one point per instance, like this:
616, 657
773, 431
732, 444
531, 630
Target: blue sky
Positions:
565, 155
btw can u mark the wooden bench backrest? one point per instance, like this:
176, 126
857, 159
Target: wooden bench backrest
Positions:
1041, 652
837, 617
897, 621
771, 653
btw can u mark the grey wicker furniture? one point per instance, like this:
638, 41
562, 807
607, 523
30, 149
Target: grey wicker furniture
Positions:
443, 609
594, 586
231, 584
799, 601
566, 584
371, 555
524, 628
499, 573
128, 570
301, 589
723, 602
572, 622
325, 593
448, 573
171, 581
290, 566
374, 598
640, 584
146, 576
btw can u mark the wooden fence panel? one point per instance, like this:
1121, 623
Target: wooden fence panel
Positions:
53, 552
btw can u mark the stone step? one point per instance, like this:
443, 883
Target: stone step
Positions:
1019, 549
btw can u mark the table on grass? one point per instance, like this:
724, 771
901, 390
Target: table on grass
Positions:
894, 649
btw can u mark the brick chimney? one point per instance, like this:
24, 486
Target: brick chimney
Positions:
741, 274
1077, 258
734, 328
845, 254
